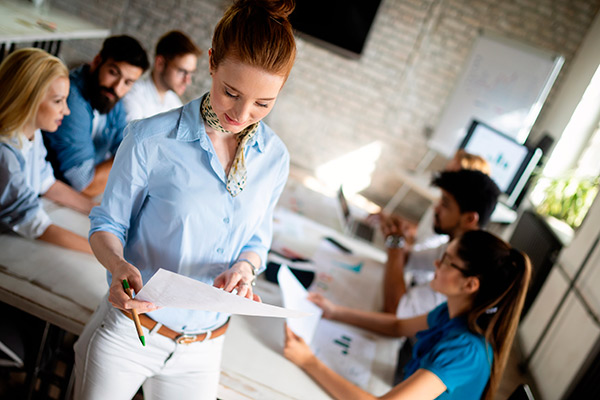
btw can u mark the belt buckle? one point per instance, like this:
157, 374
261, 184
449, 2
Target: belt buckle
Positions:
185, 339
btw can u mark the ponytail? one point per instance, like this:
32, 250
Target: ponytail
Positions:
504, 275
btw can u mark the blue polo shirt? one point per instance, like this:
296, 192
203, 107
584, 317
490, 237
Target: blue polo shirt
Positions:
460, 358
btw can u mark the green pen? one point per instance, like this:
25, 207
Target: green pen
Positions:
134, 313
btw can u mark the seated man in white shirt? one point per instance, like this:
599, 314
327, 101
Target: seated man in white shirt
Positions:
175, 62
467, 202
421, 235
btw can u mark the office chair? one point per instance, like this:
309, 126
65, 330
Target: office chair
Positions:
522, 392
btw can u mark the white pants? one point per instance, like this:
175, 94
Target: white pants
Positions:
111, 363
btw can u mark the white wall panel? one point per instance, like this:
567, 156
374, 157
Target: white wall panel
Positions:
541, 310
564, 350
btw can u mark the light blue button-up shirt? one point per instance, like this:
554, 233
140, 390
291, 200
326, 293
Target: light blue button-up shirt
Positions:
24, 176
166, 200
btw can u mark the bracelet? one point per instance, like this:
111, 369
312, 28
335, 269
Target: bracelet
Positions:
395, 242
254, 269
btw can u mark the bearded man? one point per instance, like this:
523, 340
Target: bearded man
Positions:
83, 147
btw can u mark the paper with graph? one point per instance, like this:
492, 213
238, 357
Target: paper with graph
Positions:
344, 350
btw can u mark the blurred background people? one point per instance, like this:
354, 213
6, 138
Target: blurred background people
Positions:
175, 61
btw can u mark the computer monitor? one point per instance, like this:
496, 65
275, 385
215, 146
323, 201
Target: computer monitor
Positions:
511, 162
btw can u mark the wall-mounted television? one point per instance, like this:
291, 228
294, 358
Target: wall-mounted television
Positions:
511, 162
339, 25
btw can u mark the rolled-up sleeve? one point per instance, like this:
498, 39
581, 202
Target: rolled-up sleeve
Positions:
20, 208
127, 185
80, 176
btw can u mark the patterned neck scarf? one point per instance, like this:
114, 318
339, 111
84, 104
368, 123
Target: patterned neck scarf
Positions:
236, 180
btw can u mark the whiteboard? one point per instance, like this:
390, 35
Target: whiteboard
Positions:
504, 84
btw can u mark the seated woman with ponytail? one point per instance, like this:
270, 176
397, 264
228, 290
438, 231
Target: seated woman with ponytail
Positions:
462, 345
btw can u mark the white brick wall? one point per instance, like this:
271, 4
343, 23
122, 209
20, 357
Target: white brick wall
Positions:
398, 88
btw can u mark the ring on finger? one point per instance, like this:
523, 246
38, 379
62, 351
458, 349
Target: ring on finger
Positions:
244, 284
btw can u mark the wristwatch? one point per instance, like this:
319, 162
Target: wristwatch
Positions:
395, 242
254, 269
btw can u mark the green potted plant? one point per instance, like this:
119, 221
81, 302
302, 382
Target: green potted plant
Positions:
566, 198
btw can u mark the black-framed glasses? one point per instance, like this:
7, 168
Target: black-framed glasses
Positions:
182, 72
446, 260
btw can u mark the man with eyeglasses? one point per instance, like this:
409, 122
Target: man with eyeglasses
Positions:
174, 65
468, 198
82, 149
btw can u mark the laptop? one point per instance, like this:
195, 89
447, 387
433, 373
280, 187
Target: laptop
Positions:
352, 226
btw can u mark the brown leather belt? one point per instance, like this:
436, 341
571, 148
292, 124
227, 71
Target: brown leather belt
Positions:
180, 338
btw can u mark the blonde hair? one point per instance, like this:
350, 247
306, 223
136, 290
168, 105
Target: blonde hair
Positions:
25, 76
472, 161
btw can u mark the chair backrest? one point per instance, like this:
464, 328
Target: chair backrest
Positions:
522, 392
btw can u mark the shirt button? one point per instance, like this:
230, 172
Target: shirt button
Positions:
226, 220
220, 250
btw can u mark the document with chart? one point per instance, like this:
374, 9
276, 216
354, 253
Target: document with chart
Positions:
345, 351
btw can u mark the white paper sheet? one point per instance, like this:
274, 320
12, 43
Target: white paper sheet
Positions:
294, 297
345, 351
168, 289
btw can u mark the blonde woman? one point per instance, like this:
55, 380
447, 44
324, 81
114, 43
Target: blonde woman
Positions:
35, 86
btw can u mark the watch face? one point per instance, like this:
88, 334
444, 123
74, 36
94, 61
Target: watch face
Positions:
395, 242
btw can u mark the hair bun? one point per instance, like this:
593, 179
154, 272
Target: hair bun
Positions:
278, 9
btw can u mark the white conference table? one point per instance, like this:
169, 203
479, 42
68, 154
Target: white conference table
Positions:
63, 288
21, 21
44, 27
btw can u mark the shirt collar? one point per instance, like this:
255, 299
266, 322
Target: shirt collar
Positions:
191, 126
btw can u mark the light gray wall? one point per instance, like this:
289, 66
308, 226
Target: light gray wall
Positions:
332, 105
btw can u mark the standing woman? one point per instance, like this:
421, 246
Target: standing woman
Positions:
35, 86
462, 345
193, 191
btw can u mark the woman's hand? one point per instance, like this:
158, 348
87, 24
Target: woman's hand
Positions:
296, 350
117, 295
329, 308
239, 277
